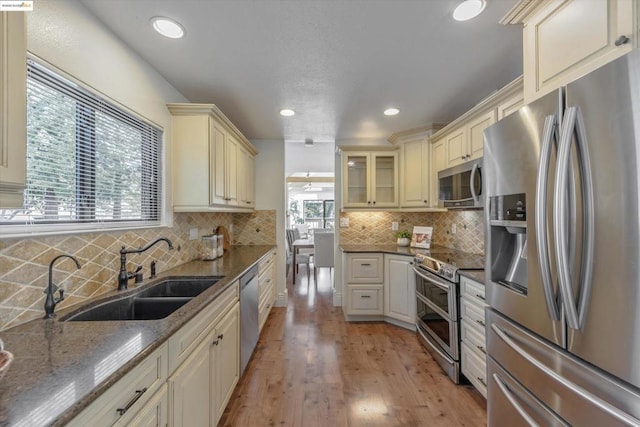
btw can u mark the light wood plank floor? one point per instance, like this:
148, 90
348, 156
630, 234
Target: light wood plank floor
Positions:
311, 368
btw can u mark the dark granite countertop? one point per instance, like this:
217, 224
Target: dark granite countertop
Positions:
61, 367
476, 275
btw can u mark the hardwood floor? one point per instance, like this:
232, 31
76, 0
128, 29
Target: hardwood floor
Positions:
311, 368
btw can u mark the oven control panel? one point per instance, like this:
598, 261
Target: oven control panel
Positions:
447, 272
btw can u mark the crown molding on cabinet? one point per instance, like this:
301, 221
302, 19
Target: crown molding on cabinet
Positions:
398, 136
186, 109
493, 99
520, 11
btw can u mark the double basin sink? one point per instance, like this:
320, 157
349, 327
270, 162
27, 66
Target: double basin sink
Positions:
155, 302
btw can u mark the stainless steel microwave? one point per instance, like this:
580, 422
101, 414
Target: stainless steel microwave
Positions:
460, 187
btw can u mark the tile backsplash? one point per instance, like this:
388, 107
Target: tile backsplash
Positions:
375, 228
24, 262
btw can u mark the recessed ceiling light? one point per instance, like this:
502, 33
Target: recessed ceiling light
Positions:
391, 111
287, 112
468, 9
167, 27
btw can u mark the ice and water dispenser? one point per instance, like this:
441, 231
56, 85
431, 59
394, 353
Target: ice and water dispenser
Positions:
508, 228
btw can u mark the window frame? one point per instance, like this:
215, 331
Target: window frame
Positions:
164, 214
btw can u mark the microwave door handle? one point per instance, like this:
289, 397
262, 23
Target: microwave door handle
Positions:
474, 195
541, 226
560, 218
586, 182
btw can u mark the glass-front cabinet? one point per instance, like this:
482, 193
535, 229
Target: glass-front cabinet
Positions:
370, 179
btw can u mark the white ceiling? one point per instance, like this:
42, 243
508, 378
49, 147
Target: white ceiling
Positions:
338, 63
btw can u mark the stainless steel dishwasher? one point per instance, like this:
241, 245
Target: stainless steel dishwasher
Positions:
248, 315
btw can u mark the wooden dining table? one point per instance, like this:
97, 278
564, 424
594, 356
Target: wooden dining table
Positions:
297, 245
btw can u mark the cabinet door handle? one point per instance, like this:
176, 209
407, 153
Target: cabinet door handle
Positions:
482, 381
374, 202
221, 336
132, 402
481, 348
481, 297
621, 40
365, 296
480, 322
425, 201
215, 342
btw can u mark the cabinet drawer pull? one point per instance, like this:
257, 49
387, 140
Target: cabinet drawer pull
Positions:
365, 296
482, 381
480, 322
481, 348
365, 265
132, 402
621, 40
481, 297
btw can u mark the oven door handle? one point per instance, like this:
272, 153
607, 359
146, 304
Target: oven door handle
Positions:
442, 285
435, 348
433, 306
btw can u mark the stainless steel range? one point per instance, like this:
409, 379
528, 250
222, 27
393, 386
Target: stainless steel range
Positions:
437, 315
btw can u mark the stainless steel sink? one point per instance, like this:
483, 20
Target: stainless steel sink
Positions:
155, 302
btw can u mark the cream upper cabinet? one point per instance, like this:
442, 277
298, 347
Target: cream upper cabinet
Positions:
566, 39
211, 166
13, 122
246, 178
463, 139
370, 179
438, 163
415, 170
465, 144
510, 105
456, 143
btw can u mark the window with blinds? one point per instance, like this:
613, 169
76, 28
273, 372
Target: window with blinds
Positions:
88, 161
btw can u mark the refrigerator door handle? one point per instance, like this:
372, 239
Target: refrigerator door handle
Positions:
595, 400
548, 135
474, 195
512, 399
573, 124
586, 181
559, 218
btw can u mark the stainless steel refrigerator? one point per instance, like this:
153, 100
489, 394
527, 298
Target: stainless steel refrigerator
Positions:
562, 207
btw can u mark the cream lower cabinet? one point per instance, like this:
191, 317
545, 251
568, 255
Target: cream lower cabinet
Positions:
201, 387
13, 121
364, 279
473, 349
140, 394
266, 287
212, 161
154, 413
190, 389
566, 39
399, 288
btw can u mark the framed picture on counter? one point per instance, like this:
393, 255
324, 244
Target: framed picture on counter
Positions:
421, 237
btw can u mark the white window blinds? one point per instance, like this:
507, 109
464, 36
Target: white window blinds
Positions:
88, 161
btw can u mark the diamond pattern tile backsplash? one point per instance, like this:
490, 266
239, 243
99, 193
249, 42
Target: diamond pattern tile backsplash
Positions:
24, 262
375, 228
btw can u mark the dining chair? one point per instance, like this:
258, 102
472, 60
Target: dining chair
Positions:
303, 229
323, 252
301, 258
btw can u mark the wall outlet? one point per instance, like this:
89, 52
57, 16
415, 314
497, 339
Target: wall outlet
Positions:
193, 234
454, 228
394, 226
344, 222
